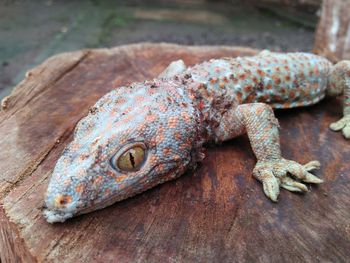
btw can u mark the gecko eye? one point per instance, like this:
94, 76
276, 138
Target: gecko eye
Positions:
130, 160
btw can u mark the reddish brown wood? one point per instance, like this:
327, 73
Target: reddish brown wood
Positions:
333, 31
216, 214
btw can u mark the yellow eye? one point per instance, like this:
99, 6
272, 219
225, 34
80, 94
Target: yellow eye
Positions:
132, 159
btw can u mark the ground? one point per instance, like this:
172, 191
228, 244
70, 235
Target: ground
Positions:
31, 31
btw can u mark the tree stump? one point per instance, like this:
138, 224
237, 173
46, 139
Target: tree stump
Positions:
216, 214
332, 38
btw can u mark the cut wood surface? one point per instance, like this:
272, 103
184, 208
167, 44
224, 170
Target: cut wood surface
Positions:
216, 214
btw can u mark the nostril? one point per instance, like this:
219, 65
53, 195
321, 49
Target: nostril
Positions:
62, 200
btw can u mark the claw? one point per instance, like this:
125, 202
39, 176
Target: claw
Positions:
313, 165
271, 187
291, 188
310, 178
343, 124
346, 131
291, 185
337, 126
274, 174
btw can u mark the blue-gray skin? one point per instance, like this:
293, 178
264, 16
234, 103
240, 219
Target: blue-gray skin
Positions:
142, 135
85, 177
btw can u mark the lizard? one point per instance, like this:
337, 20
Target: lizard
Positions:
146, 133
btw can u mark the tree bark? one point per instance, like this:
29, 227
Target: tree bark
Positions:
216, 214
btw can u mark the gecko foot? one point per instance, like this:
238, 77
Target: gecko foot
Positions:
285, 173
343, 124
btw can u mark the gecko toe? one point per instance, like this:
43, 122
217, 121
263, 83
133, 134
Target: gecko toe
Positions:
271, 188
346, 131
342, 125
313, 165
291, 185
287, 174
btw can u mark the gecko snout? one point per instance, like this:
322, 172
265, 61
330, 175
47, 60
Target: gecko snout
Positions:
59, 207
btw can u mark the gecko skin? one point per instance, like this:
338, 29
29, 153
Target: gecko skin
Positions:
141, 135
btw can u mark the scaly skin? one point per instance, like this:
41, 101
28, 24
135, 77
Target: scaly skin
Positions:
172, 117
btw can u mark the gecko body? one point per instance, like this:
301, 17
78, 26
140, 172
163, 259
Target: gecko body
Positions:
141, 135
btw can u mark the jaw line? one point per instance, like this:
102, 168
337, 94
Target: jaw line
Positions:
55, 216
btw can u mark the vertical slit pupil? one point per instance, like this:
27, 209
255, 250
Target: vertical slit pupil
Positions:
132, 159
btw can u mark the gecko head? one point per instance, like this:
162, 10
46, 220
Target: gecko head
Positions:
133, 139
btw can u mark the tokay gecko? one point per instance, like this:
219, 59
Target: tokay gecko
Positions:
138, 136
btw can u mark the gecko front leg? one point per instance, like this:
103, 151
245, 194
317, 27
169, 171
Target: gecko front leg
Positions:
258, 120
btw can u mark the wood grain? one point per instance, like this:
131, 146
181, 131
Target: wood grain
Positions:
332, 38
216, 214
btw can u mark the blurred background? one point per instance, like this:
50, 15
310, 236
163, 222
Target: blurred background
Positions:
31, 31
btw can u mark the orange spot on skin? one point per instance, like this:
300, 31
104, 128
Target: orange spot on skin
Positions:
287, 78
128, 109
222, 85
248, 89
121, 101
166, 151
160, 167
266, 97
239, 96
172, 122
276, 79
79, 188
162, 108
98, 180
151, 118
121, 178
186, 117
213, 80
251, 98
139, 98
201, 105
160, 135
286, 105
153, 159
62, 200
177, 158
261, 73
242, 76
177, 136
277, 98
